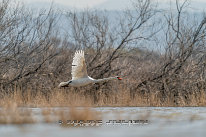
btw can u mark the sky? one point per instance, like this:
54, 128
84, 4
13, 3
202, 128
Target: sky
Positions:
72, 3
104, 4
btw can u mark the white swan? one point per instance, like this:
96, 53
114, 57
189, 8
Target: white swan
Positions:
79, 73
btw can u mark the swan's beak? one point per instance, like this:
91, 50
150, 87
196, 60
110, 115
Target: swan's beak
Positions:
119, 78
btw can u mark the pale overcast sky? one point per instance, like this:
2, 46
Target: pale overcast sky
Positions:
104, 4
72, 3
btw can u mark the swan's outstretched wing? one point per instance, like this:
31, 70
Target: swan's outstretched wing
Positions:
79, 69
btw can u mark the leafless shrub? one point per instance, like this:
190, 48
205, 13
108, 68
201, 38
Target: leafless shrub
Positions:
27, 43
180, 72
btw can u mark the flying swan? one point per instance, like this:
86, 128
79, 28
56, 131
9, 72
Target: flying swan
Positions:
79, 73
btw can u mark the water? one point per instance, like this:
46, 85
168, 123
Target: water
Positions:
159, 122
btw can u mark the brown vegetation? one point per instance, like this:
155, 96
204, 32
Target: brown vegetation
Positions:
35, 55
72, 98
12, 114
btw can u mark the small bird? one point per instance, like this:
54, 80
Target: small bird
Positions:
79, 73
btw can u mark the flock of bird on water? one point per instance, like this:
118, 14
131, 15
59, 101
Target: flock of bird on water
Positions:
79, 73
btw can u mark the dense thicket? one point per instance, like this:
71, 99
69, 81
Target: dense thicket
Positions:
37, 47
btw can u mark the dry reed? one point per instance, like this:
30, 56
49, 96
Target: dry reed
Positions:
67, 98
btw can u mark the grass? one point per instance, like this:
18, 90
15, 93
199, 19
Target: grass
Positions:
12, 114
122, 98
72, 113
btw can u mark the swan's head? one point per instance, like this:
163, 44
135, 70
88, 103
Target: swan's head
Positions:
118, 78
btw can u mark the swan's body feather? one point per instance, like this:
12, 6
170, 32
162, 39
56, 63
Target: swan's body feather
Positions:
81, 82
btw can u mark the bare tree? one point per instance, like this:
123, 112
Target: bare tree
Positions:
26, 42
185, 48
106, 40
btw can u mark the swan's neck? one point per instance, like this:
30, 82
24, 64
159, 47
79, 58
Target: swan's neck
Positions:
104, 79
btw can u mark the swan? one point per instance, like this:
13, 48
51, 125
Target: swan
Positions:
79, 73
